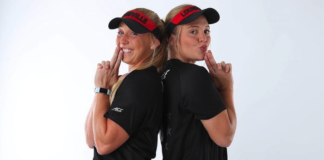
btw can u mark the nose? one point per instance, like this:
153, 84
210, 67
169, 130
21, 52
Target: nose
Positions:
123, 39
202, 37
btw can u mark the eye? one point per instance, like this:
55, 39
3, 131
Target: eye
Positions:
193, 31
133, 34
207, 31
120, 32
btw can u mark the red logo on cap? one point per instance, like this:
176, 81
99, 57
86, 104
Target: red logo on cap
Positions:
183, 14
141, 19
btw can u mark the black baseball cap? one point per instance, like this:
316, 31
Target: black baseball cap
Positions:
137, 22
191, 13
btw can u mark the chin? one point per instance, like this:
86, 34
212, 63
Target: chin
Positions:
125, 60
200, 59
201, 56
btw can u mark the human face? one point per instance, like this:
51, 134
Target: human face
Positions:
194, 40
135, 47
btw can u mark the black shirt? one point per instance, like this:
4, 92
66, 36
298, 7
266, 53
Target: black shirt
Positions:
189, 97
137, 108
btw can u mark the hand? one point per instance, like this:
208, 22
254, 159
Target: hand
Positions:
221, 73
107, 72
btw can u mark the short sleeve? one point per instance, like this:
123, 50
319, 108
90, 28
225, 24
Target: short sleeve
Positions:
132, 102
200, 95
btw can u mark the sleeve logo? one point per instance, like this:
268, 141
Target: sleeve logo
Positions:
117, 109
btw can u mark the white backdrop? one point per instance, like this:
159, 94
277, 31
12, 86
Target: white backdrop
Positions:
49, 51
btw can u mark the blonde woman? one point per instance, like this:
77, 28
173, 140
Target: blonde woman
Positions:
124, 119
199, 119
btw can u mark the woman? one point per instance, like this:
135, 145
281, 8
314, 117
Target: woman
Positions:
199, 117
123, 124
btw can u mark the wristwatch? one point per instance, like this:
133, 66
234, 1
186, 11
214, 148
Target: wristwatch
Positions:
102, 90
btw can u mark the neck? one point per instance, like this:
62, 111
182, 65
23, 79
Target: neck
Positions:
135, 66
177, 56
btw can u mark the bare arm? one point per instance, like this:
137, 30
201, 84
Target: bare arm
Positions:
108, 135
221, 128
89, 128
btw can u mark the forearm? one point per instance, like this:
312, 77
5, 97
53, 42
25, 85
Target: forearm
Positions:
101, 106
221, 128
89, 129
227, 96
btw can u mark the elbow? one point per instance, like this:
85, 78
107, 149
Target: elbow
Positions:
90, 145
225, 141
89, 140
104, 149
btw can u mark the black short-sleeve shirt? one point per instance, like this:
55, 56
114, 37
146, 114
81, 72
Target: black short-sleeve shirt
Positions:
189, 97
137, 108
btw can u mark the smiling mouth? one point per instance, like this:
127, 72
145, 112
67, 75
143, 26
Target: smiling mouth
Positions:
126, 50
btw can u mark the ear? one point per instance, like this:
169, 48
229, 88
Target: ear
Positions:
172, 39
155, 44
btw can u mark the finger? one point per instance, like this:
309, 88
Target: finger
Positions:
103, 63
107, 66
114, 58
118, 61
223, 64
99, 66
227, 66
230, 68
219, 66
212, 60
210, 68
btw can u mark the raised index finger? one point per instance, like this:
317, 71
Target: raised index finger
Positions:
118, 61
114, 58
212, 60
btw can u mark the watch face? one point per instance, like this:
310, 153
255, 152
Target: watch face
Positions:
102, 90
